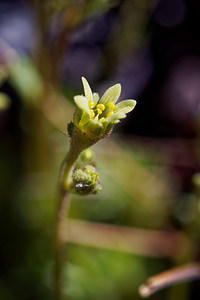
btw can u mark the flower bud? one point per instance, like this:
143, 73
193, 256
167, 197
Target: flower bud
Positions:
86, 180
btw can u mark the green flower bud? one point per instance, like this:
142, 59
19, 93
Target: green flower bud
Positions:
85, 180
87, 157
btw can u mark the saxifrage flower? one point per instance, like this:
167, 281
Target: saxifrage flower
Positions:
96, 117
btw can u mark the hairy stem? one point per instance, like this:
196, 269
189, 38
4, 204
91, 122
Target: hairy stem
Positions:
77, 144
62, 208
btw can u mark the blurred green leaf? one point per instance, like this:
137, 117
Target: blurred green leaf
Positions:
5, 102
26, 79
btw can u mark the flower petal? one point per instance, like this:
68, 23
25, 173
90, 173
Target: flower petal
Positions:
87, 90
114, 117
95, 98
111, 95
125, 106
82, 103
121, 109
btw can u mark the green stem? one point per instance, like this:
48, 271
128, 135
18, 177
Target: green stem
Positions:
64, 201
62, 208
68, 166
79, 142
77, 145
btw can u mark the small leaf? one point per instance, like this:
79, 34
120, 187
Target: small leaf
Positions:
111, 95
87, 90
70, 128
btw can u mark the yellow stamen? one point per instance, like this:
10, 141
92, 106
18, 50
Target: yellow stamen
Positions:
109, 114
99, 111
111, 105
101, 107
92, 113
91, 104
100, 120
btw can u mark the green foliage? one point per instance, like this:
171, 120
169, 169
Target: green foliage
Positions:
25, 77
94, 274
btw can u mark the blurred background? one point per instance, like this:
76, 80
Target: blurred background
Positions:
146, 219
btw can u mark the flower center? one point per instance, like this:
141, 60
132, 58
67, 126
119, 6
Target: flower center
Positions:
99, 109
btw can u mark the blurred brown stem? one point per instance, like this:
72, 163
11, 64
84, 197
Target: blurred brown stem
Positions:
184, 273
152, 243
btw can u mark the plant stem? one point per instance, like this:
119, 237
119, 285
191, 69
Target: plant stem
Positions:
62, 208
150, 243
77, 144
184, 273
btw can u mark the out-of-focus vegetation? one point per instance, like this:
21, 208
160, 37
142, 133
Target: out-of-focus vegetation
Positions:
147, 212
